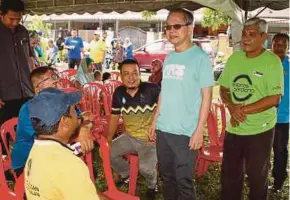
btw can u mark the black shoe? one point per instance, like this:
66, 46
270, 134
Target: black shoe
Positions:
122, 181
151, 194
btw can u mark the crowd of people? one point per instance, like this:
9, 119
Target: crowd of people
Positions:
71, 49
164, 118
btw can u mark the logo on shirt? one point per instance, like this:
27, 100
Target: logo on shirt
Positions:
242, 88
123, 100
174, 71
29, 166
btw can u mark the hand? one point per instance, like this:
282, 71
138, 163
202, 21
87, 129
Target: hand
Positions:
1, 103
237, 112
234, 123
87, 116
196, 140
152, 133
85, 139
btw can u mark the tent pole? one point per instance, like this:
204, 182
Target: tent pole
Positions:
261, 11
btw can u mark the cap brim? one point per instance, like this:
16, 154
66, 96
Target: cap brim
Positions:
74, 97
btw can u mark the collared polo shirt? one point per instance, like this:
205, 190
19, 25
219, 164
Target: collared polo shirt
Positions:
14, 66
137, 111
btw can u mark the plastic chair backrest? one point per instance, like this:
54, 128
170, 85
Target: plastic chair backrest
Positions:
8, 128
220, 113
212, 129
111, 86
95, 97
65, 83
68, 74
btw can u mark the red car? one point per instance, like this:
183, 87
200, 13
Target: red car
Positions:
160, 48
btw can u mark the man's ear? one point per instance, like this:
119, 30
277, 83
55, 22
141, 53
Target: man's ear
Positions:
64, 122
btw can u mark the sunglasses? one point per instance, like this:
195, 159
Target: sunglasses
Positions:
53, 77
175, 26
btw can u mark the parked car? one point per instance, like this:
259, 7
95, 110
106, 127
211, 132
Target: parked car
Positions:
160, 48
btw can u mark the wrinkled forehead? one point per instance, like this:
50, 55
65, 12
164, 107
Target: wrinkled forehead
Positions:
254, 28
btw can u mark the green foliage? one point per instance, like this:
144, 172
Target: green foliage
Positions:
214, 19
147, 15
37, 24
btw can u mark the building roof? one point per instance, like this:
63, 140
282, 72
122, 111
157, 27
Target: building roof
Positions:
121, 6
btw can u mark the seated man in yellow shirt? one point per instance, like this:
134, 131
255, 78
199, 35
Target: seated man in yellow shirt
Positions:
52, 171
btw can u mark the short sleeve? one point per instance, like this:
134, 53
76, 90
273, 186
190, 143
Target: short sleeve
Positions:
224, 79
75, 183
205, 73
25, 125
116, 104
156, 93
275, 79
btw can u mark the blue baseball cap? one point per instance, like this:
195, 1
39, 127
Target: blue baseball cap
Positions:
50, 104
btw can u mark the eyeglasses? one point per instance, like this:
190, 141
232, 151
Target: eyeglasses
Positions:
175, 26
53, 77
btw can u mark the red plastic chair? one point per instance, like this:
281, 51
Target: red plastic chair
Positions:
112, 192
68, 74
212, 152
5, 192
7, 129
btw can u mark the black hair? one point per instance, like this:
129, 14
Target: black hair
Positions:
13, 5
106, 76
97, 73
188, 16
128, 61
281, 35
40, 71
42, 129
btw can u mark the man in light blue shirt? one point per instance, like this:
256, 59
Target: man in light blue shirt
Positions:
182, 109
280, 44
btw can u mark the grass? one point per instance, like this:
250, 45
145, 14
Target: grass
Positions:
207, 187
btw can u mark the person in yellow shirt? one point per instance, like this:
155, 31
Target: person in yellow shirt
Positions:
53, 171
98, 50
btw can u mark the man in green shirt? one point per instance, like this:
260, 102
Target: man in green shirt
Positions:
251, 86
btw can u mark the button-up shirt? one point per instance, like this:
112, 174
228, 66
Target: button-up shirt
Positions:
14, 63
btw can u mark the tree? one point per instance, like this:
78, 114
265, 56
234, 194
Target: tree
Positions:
147, 15
214, 19
37, 24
